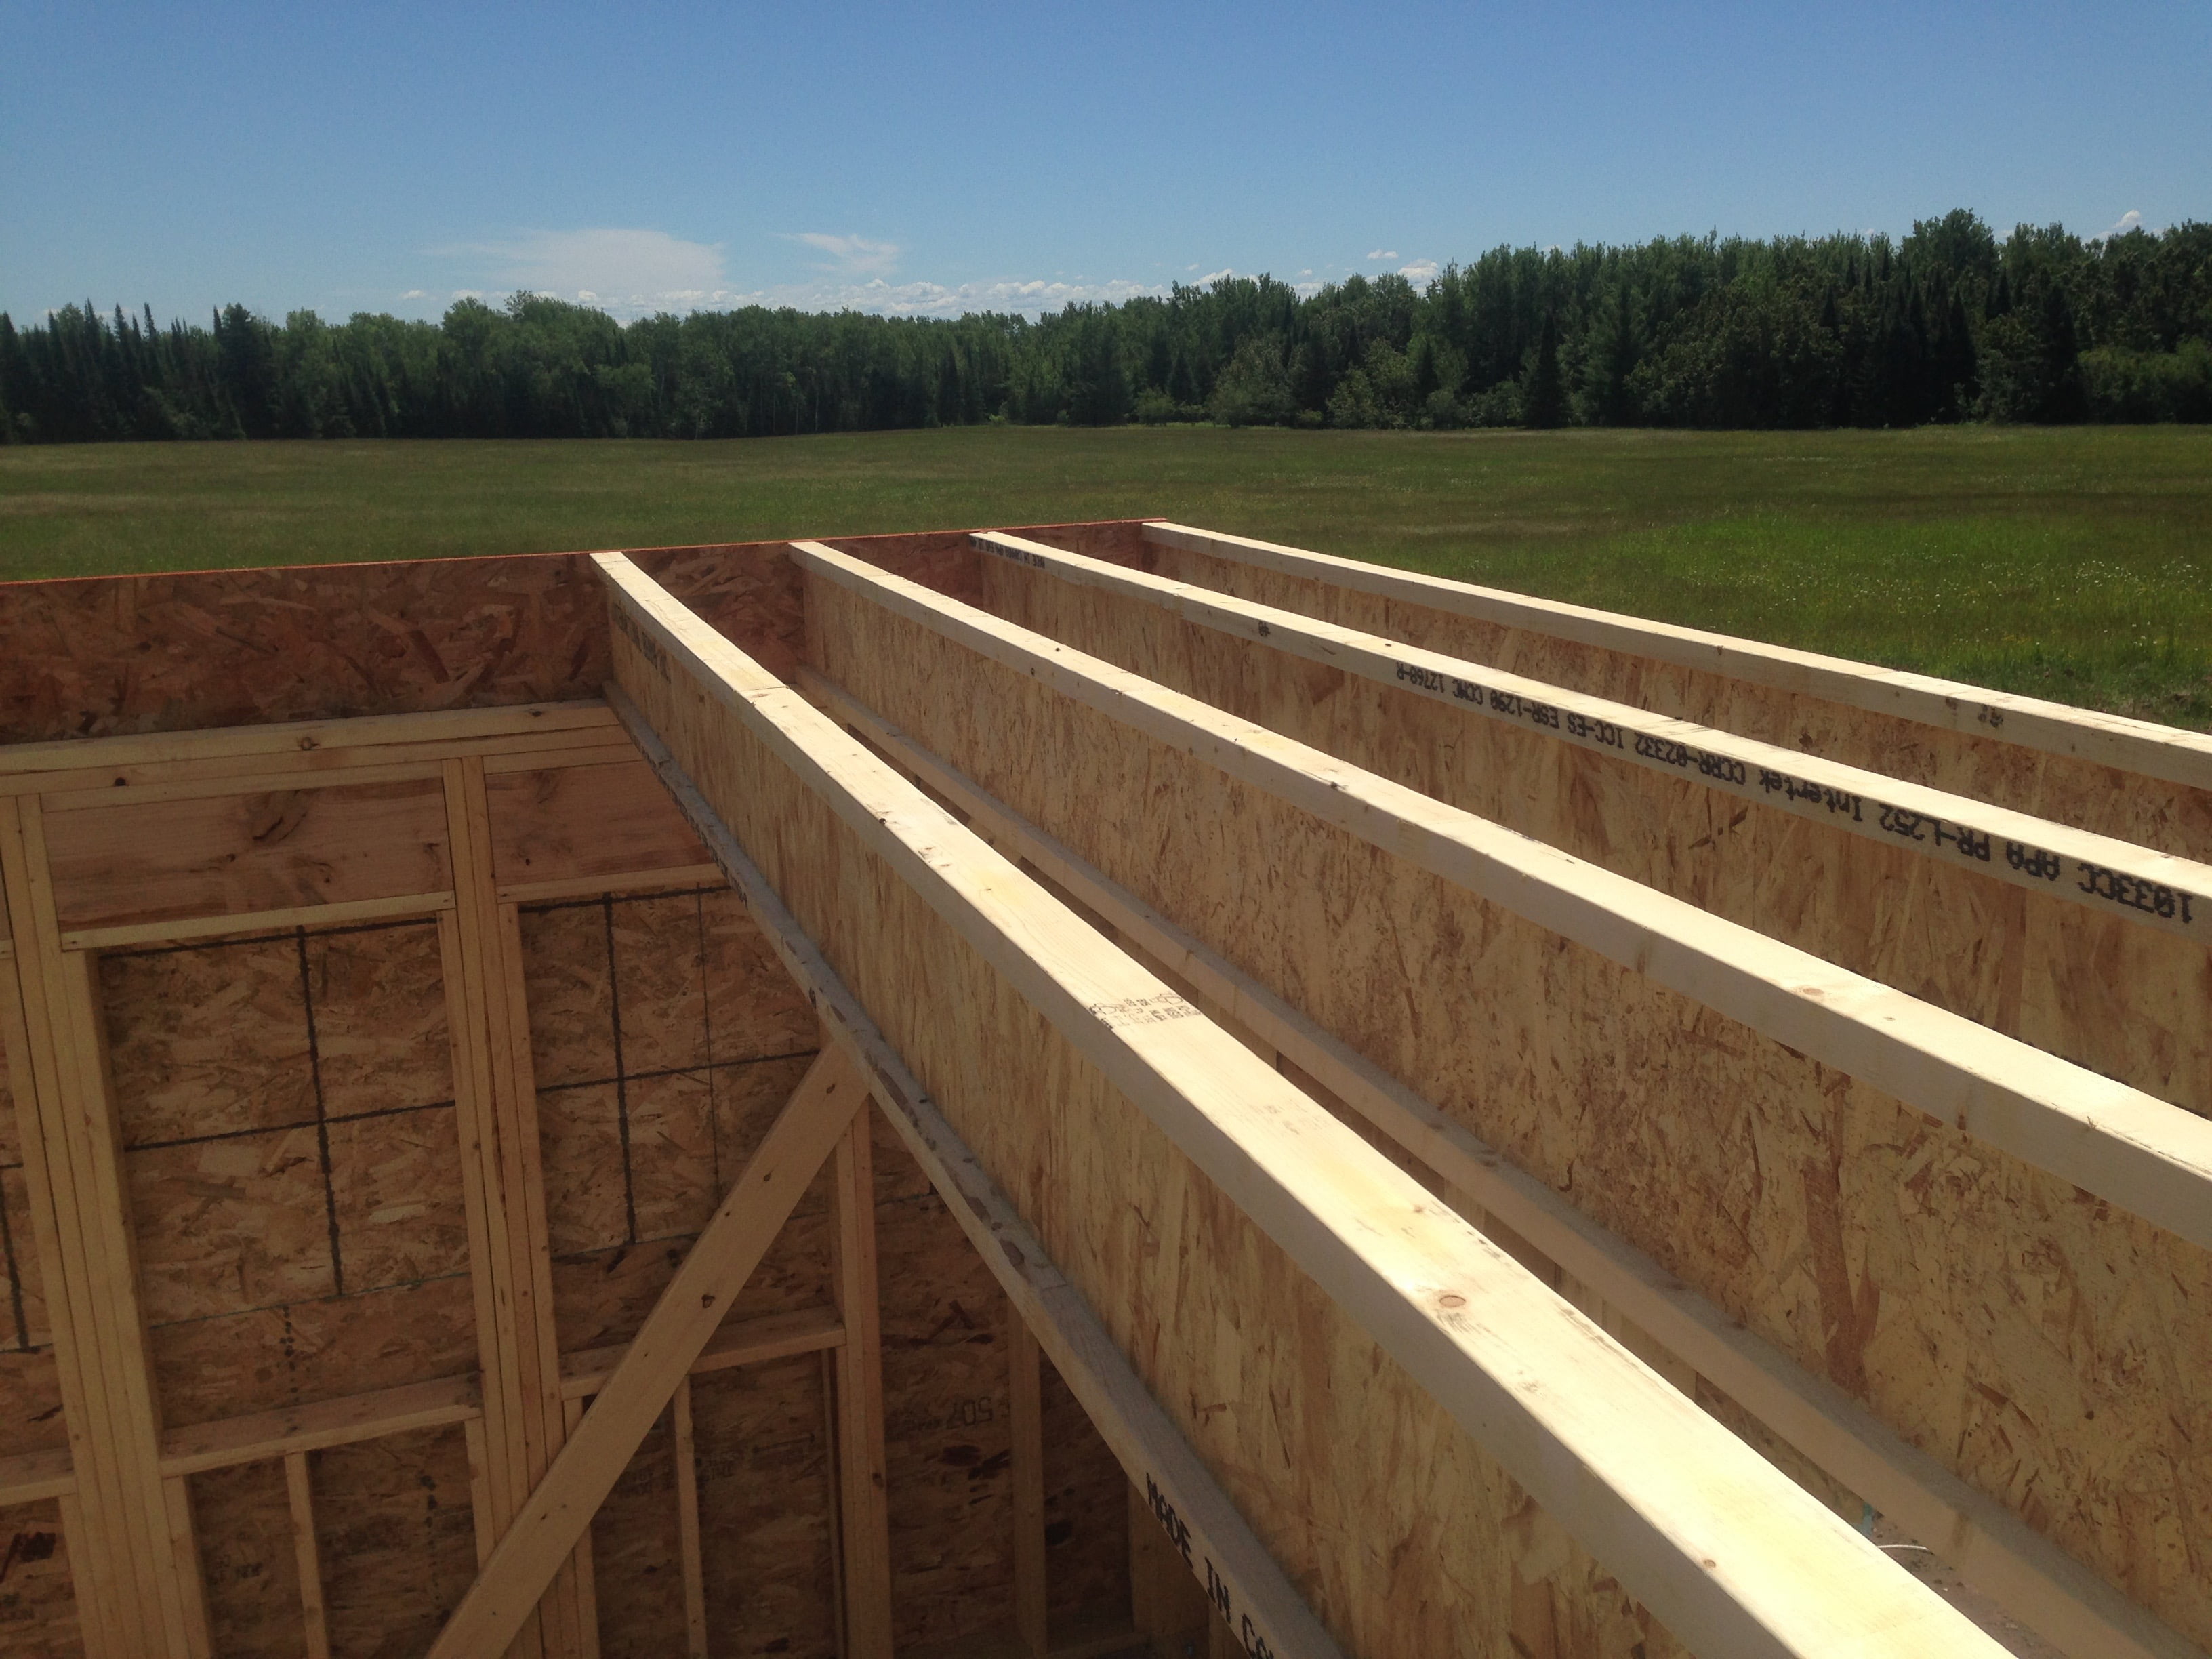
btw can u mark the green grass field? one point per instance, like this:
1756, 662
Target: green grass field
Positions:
2069, 563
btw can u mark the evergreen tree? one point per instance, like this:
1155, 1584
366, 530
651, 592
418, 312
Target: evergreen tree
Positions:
1544, 399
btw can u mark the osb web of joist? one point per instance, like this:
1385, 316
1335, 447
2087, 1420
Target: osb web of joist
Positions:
2041, 1341
2101, 986
285, 1106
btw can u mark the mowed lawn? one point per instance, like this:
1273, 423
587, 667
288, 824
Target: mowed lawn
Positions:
2069, 563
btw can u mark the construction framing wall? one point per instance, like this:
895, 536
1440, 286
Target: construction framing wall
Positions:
1072, 1090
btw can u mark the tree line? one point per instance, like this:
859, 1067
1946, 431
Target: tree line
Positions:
1948, 323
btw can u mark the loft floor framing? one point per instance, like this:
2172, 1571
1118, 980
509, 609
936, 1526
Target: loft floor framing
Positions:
413, 973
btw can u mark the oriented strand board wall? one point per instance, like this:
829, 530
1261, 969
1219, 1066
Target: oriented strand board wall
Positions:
2034, 1339
1403, 1535
2169, 818
97, 656
288, 1120
38, 1606
2132, 1001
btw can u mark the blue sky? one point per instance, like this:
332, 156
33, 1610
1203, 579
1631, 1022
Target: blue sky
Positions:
933, 158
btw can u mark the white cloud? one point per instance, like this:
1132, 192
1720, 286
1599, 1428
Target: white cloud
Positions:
850, 256
1028, 295
1384, 253
623, 270
2130, 221
416, 293
1421, 271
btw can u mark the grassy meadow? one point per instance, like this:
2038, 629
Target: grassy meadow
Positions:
2066, 562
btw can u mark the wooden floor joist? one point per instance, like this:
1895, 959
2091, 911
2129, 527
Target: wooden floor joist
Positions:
1730, 1556
1214, 1540
1424, 914
2104, 875
1993, 1548
2087, 948
2140, 1153
2128, 745
1772, 691
857, 1374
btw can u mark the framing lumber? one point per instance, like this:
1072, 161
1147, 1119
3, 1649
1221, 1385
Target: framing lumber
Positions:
693, 1565
529, 1423
301, 1492
1992, 1548
739, 1342
2111, 740
1025, 1404
626, 886
162, 757
1217, 1541
230, 923
1730, 1556
2109, 877
27, 1477
857, 1382
554, 1516
294, 1430
183, 1548
2141, 1154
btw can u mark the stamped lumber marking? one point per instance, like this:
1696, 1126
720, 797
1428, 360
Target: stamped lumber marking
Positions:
1143, 1011
1219, 1593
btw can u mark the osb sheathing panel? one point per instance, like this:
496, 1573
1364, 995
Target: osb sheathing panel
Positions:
1086, 1533
2056, 1353
581, 821
761, 1441
160, 859
665, 1037
2131, 1001
636, 1561
289, 1144
38, 1606
397, 1538
1319, 1437
97, 656
242, 1518
2152, 813
947, 1435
